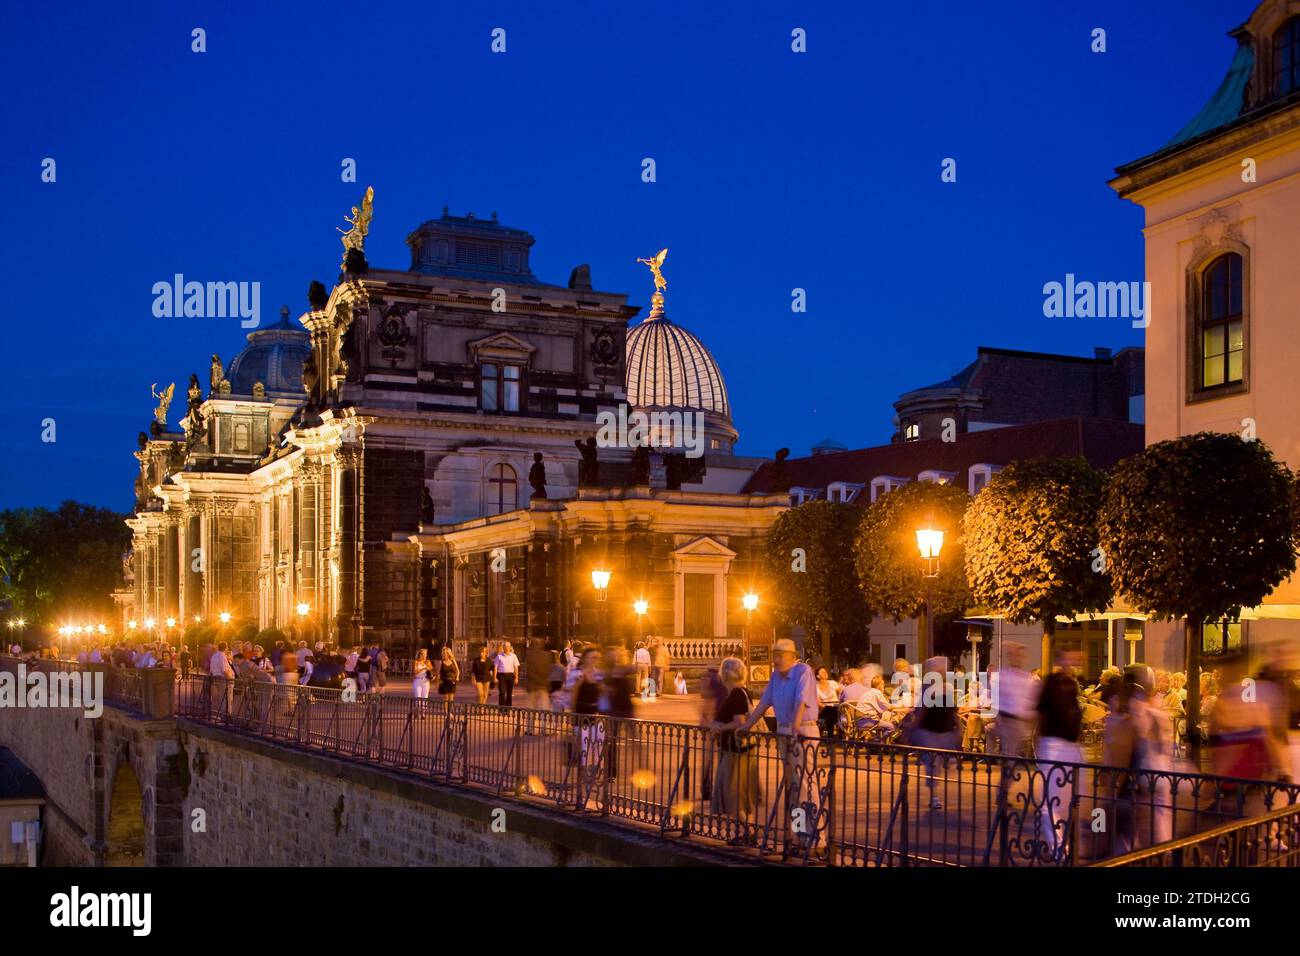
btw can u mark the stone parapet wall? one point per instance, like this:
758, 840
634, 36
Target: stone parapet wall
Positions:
268, 805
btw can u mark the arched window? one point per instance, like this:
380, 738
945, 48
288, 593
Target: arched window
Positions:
502, 487
1222, 335
1286, 57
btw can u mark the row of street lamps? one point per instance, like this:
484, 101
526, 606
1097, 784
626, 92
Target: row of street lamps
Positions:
600, 581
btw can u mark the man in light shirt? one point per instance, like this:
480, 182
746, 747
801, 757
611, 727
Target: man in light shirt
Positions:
507, 667
642, 661
791, 694
219, 667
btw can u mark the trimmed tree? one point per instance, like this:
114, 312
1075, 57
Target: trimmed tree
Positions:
890, 569
808, 560
1031, 542
1198, 528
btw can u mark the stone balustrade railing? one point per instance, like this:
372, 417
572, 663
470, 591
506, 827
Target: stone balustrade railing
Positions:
699, 650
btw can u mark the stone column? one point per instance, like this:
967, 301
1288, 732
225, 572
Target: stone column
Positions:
349, 546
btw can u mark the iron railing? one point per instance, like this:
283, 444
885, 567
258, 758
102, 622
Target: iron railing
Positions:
123, 686
840, 802
1269, 840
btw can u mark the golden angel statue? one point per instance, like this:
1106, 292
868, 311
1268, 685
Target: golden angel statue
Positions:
354, 237
656, 265
164, 401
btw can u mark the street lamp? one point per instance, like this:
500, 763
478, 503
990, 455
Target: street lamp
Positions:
600, 581
303, 609
750, 603
640, 606
929, 541
224, 617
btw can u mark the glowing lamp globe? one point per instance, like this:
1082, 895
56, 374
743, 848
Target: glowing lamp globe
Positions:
930, 542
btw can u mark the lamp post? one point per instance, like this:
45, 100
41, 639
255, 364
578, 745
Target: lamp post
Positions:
750, 603
600, 581
929, 541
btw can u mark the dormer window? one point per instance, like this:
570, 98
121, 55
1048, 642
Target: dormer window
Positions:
911, 432
979, 477
842, 492
938, 477
1286, 57
499, 387
884, 484
800, 495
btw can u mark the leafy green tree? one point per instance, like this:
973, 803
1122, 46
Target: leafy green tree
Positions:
1198, 528
808, 560
63, 561
1031, 542
890, 570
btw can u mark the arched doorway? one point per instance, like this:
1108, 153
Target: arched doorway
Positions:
126, 833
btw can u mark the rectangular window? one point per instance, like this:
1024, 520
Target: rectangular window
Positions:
510, 389
491, 377
499, 387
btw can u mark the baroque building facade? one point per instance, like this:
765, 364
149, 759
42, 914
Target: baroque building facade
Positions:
412, 462
1222, 220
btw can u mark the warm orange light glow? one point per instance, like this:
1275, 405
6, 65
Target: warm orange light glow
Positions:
303, 609
224, 617
640, 606
750, 601
600, 579
171, 622
643, 779
149, 623
930, 542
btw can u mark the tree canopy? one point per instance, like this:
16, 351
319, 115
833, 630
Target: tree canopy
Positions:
65, 561
1031, 541
889, 566
1198, 526
808, 560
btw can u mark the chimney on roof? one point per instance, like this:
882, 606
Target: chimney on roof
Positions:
1101, 354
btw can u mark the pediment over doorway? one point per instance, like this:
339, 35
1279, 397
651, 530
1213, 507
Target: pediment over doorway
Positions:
703, 547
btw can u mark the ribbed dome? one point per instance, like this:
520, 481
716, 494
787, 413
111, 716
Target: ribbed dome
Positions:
668, 367
274, 356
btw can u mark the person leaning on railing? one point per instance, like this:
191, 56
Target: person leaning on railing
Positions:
792, 695
735, 787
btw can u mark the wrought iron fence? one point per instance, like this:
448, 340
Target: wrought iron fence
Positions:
123, 686
1269, 840
839, 802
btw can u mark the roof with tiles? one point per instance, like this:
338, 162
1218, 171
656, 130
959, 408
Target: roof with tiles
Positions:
1103, 442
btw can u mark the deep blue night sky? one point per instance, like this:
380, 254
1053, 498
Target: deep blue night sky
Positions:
775, 171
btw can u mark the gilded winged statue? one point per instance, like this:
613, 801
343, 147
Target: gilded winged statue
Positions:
354, 237
164, 401
656, 266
